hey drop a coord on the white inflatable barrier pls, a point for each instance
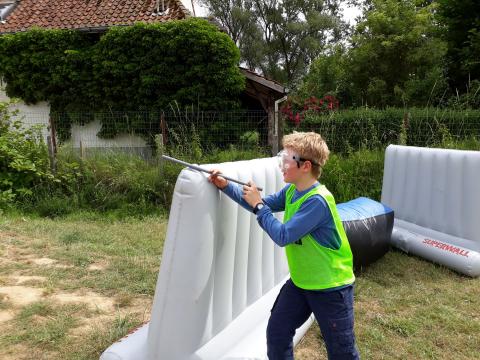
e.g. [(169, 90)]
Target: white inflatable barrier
[(219, 276), (435, 194)]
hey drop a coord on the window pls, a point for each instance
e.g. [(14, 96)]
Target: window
[(5, 8), (161, 6)]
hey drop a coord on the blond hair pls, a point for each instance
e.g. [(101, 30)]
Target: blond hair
[(310, 146)]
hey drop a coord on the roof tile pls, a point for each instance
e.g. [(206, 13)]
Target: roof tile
[(75, 14)]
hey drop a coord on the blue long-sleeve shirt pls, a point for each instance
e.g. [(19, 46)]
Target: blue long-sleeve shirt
[(313, 217)]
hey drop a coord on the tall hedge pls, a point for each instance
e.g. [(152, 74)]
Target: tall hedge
[(44, 65), (348, 130), (140, 67), (148, 66)]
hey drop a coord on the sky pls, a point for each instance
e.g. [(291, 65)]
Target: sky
[(349, 12)]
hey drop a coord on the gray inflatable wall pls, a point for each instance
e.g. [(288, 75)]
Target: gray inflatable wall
[(220, 272), (435, 194), (219, 276)]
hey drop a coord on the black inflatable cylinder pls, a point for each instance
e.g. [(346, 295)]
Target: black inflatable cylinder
[(368, 225)]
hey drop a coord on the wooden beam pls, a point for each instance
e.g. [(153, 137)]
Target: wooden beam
[(270, 84)]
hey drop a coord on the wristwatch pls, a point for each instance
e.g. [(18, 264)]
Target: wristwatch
[(258, 207)]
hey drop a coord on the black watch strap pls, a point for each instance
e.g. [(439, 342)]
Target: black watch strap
[(258, 207)]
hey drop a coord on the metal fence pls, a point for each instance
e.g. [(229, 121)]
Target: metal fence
[(143, 132), (372, 129)]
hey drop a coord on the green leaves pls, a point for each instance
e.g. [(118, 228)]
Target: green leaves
[(141, 67), (396, 58), (36, 63), (279, 37), (23, 158), (460, 28)]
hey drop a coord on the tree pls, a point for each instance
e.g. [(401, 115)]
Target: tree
[(280, 38), (328, 76), (396, 57), (460, 25)]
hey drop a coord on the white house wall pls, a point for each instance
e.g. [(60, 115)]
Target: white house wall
[(30, 114), (87, 135), (39, 113)]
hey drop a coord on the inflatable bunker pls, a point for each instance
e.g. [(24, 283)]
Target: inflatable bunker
[(220, 273), (435, 194), (368, 225)]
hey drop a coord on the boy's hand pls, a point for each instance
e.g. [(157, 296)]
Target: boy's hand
[(251, 194), (217, 180)]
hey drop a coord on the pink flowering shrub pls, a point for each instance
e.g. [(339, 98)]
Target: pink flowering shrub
[(296, 113)]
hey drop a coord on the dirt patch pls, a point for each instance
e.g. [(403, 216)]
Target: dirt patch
[(370, 308), (5, 261), (6, 315), (22, 352), (43, 261), (139, 307), (96, 267), (21, 279), (6, 235), (20, 286), (20, 295), (93, 300), (11, 253)]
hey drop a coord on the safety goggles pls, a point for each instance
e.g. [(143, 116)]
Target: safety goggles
[(287, 159)]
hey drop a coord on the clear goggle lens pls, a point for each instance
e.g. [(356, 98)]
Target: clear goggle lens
[(286, 160)]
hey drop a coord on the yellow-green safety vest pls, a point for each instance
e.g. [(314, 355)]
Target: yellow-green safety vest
[(313, 266)]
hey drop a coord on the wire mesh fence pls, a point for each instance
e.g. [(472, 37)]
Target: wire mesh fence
[(143, 133), (350, 130)]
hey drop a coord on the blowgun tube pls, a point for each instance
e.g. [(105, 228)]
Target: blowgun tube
[(195, 167)]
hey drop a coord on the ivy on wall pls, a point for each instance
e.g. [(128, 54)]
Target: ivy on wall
[(136, 68), (43, 65)]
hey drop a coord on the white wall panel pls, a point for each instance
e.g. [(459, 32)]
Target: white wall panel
[(435, 194), (219, 275)]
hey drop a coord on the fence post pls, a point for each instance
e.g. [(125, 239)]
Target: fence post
[(280, 121), (163, 127), (82, 150), (53, 134), (272, 129), (51, 155)]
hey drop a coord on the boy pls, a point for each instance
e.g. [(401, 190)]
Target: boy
[(318, 252)]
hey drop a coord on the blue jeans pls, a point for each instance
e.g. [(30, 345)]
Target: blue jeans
[(333, 311)]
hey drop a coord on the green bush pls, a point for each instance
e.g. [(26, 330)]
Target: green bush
[(348, 130), (356, 174), (44, 65), (119, 184), (24, 162), (129, 69), (145, 67)]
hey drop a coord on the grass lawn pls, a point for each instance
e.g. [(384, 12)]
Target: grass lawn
[(70, 287)]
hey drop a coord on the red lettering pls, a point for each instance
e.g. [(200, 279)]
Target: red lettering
[(446, 247), (464, 253)]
